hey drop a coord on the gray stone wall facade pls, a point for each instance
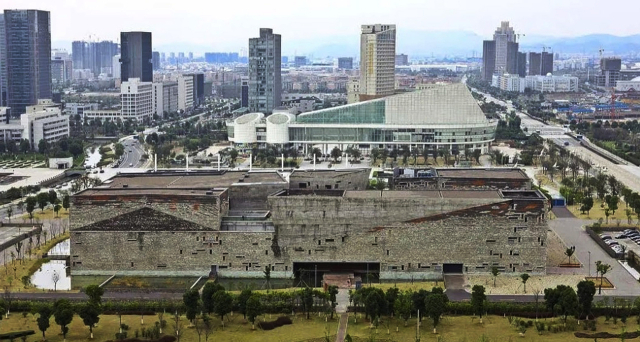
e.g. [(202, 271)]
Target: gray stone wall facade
[(357, 179)]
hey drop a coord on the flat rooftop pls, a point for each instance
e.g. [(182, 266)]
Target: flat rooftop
[(194, 180), (327, 173), (150, 191), (395, 194), (477, 173)]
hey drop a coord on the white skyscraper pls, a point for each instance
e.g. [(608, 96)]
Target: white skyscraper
[(502, 37), (137, 100), (377, 61), (185, 92), (115, 72)]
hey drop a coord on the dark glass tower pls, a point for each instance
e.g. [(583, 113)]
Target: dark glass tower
[(28, 58), (136, 56)]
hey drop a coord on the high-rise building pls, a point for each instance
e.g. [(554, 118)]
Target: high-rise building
[(116, 66), (59, 70), (221, 57), (345, 63), (540, 63), (285, 59), (500, 55), (136, 56), (377, 61), (190, 56), (265, 79), (609, 72), (535, 62), (185, 92), (522, 64), (94, 56), (165, 98), (155, 60), (488, 59), (3, 62), (198, 89), (503, 36), (402, 59), (546, 63), (28, 58)]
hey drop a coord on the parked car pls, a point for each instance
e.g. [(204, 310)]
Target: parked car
[(621, 236), (605, 237), (611, 242)]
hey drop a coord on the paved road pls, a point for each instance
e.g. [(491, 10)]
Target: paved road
[(132, 154)]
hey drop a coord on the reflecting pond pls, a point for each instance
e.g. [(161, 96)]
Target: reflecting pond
[(93, 157), (44, 277)]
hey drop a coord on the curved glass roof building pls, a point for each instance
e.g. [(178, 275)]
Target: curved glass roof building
[(443, 116)]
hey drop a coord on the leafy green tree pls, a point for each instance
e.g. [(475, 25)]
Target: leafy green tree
[(403, 306), (335, 154), (63, 312), (391, 295), (43, 200), (209, 289), (31, 203), (586, 291), (478, 299), (191, 301), (242, 299), (25, 146), (233, 155), (223, 304), (436, 306), (254, 309), (90, 314), (307, 300), (119, 150), (524, 277), (44, 317), (569, 252), (419, 300), (267, 275), (587, 204), (495, 272), (53, 196), (43, 146), (95, 293), (374, 304)]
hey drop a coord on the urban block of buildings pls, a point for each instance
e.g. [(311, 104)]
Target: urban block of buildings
[(543, 84), (234, 224), (443, 116), (43, 121)]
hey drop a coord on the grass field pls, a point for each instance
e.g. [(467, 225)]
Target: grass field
[(468, 329), (47, 214), (597, 212), (25, 267), (236, 329), (406, 286)]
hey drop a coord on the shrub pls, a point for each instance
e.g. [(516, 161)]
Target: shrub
[(280, 321)]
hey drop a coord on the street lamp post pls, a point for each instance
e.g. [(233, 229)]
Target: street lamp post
[(589, 263)]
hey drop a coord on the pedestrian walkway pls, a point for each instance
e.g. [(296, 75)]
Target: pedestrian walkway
[(342, 327), (562, 212)]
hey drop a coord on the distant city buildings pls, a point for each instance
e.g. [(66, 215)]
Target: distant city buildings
[(265, 79), (185, 92), (155, 60), (609, 72), (377, 61), (3, 62), (136, 56), (94, 56), (221, 57), (402, 59), (165, 98), (61, 70), (28, 58), (345, 63), (543, 84), (540, 63), (500, 55), (44, 121), (300, 61)]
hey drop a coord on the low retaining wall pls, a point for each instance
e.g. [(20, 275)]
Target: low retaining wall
[(22, 236)]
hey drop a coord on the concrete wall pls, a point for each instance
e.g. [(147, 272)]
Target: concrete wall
[(478, 238), (343, 180), (204, 210), (252, 196)]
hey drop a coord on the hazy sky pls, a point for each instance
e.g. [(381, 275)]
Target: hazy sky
[(226, 25)]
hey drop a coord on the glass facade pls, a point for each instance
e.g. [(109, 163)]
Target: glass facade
[(371, 112), (395, 134)]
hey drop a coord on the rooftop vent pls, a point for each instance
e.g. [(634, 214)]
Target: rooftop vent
[(241, 180), (246, 175), (209, 193), (125, 185)]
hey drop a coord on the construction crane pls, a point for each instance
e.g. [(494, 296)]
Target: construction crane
[(518, 36)]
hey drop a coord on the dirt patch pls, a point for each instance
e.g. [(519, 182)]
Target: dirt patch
[(606, 284), (603, 334), (512, 284)]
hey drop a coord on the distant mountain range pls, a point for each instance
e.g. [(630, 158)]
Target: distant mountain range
[(429, 43)]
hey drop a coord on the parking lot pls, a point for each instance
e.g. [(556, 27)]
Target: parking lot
[(629, 238)]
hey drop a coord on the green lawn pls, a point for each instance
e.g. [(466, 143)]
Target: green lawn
[(466, 328), (236, 329)]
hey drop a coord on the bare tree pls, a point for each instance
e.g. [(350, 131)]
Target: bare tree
[(177, 324), (55, 277)]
